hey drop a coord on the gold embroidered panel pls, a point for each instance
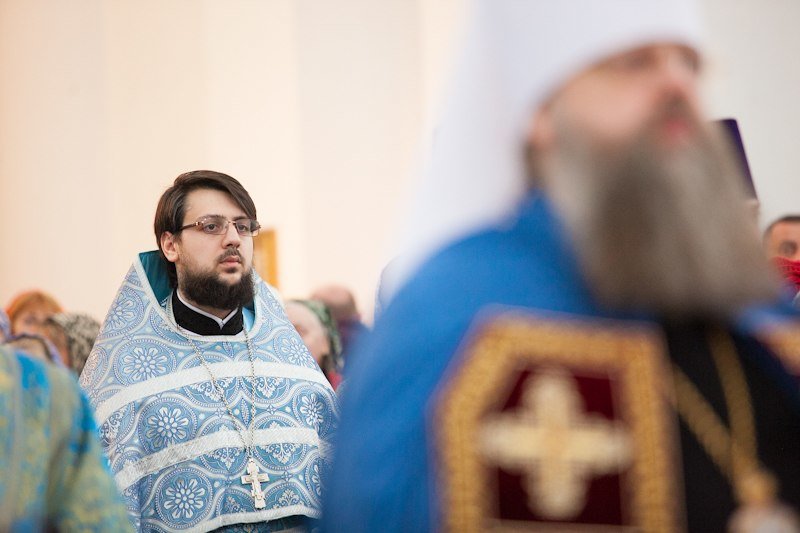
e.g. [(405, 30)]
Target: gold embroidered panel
[(558, 426)]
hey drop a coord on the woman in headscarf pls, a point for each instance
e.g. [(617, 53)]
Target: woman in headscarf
[(74, 335), (313, 321), (28, 311)]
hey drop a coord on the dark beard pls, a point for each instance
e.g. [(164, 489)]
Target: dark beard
[(205, 289), (664, 232)]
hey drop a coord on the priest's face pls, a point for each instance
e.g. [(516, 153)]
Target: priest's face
[(653, 86), (651, 197), (214, 271)]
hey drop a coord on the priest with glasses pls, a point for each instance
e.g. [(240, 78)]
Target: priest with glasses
[(213, 414)]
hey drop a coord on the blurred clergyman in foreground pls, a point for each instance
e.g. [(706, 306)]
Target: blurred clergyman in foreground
[(585, 338)]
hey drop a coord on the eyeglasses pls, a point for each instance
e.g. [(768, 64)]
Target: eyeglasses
[(216, 225)]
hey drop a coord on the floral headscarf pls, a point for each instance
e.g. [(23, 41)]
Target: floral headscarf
[(80, 331), (324, 315)]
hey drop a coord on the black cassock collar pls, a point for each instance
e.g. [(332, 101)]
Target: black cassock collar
[(202, 325)]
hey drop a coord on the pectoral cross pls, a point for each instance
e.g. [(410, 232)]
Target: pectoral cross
[(255, 479)]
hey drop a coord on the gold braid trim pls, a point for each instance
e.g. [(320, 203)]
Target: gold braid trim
[(734, 451), (784, 341)]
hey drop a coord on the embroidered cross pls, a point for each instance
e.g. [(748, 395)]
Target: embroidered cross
[(255, 479), (555, 444)]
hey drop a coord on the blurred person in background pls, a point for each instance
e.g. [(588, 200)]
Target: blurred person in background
[(782, 244), (53, 475), (73, 334), (28, 311), (342, 304), (782, 238), (37, 346), (314, 322)]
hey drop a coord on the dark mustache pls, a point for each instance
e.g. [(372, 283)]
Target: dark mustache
[(231, 252), (676, 107)]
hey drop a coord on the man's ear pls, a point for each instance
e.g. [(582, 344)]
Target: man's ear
[(169, 247)]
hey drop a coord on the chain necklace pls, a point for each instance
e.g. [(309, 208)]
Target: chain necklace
[(734, 451), (253, 477)]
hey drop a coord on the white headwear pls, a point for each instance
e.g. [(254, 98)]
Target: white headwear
[(517, 53)]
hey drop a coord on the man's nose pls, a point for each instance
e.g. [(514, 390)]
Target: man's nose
[(678, 74), (231, 236)]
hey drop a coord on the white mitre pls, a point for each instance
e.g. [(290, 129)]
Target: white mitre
[(516, 54)]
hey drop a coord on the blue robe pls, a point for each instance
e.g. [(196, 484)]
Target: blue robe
[(174, 451), (383, 474), (52, 470)]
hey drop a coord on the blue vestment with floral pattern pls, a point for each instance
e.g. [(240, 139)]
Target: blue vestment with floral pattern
[(173, 448), (52, 471)]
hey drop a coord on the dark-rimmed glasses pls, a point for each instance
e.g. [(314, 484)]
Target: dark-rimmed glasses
[(217, 225)]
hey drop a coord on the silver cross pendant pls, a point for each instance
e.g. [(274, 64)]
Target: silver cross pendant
[(255, 479)]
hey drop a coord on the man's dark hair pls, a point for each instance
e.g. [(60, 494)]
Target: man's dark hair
[(172, 205), (792, 219)]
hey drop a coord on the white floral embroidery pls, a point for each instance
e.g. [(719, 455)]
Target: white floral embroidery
[(166, 427), (283, 452), (226, 456), (207, 388), (184, 498), (270, 386), (286, 499), (295, 351), (232, 505), (144, 363), (123, 311), (312, 409), (108, 431), (316, 479)]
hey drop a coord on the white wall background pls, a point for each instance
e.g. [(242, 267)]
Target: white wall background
[(315, 105), (755, 77)]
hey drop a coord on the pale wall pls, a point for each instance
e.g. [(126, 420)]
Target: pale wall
[(755, 77), (316, 106)]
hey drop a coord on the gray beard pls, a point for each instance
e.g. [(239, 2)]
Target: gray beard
[(666, 234)]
